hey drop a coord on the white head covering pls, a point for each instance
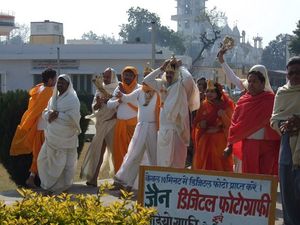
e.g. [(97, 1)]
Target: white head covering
[(70, 90), (68, 101), (113, 83), (263, 70)]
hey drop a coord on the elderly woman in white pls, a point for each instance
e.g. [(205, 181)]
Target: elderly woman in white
[(58, 157)]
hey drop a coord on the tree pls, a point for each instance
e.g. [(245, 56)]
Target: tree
[(274, 55), (19, 35), (90, 36), (104, 39), (295, 41), (213, 19), (137, 30)]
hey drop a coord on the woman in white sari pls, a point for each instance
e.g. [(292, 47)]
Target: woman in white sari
[(58, 157)]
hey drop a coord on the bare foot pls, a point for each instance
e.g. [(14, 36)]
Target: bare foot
[(30, 182), (91, 183)]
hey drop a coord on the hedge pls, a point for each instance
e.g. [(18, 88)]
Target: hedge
[(74, 209), (12, 106)]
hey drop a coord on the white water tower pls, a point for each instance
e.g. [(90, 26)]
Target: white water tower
[(7, 23)]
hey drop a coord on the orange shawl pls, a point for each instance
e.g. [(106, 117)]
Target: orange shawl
[(26, 131), (126, 89), (250, 115)]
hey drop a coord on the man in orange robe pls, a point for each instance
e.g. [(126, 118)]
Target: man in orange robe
[(126, 114), (29, 135)]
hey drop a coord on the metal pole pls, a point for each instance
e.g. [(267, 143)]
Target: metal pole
[(287, 53), (153, 44), (58, 60)]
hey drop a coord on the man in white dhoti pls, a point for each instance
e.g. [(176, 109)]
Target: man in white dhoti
[(144, 139), (105, 123), (58, 157), (179, 94)]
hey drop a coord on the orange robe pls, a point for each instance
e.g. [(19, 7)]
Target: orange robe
[(124, 129), (27, 138), (251, 114), (209, 143)]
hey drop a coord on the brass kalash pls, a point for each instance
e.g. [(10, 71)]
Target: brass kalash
[(98, 82), (226, 44)]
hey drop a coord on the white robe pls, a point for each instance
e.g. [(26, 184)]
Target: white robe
[(174, 131), (105, 124), (58, 156), (144, 139)]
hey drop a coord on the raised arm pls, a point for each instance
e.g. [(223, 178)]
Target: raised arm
[(152, 81), (232, 77)]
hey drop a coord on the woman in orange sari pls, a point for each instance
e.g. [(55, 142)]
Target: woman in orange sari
[(211, 126)]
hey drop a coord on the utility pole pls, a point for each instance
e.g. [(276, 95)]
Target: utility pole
[(58, 60), (153, 27)]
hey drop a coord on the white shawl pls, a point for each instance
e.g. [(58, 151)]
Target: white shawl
[(182, 96), (62, 133), (287, 104)]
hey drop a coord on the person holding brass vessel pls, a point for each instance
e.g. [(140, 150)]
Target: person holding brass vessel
[(251, 138), (101, 147), (179, 94)]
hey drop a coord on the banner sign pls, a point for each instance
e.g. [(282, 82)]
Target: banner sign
[(188, 197)]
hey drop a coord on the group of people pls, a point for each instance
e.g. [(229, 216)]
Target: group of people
[(49, 130), (153, 123)]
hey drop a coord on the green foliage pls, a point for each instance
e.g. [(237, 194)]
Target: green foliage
[(295, 42), (20, 35), (84, 123), (274, 55), (104, 39), (74, 209), (137, 30), (13, 104)]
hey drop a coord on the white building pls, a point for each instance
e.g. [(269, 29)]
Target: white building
[(22, 65)]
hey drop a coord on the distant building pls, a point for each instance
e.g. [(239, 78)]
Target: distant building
[(190, 23), (22, 65)]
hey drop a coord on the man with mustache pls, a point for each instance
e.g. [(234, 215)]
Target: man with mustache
[(126, 114)]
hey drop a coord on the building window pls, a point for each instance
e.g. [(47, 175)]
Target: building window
[(82, 83)]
